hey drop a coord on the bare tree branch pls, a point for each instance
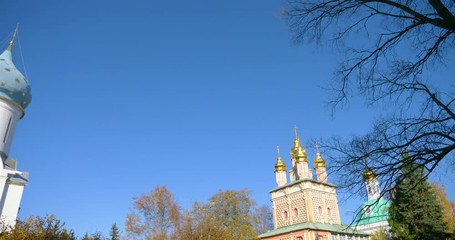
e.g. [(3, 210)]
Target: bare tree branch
[(405, 38)]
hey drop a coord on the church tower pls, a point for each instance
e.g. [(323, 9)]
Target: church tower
[(15, 96), (305, 208), (373, 214), (319, 166), (280, 170), (371, 184), (299, 160)]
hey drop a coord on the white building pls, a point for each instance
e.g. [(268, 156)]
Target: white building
[(15, 95), (374, 214)]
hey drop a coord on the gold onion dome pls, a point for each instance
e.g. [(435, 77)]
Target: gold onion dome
[(318, 161), (298, 152), (369, 174), (301, 155), (296, 147), (279, 165)]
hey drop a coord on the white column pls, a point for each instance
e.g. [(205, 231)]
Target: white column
[(281, 178), (3, 187), (12, 203), (9, 116)]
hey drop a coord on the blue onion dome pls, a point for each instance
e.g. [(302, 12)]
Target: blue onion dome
[(14, 86)]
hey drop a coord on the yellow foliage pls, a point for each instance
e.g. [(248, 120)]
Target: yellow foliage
[(448, 206)]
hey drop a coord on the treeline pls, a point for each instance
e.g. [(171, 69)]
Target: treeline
[(226, 215), (418, 210), (157, 215), (49, 228)]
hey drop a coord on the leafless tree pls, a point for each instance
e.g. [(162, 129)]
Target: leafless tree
[(262, 219), (390, 48)]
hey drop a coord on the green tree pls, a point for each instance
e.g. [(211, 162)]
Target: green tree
[(415, 212), (388, 49), (114, 232), (48, 227), (93, 236), (153, 216)]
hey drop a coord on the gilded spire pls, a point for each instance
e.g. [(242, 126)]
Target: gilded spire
[(279, 165), (296, 139), (11, 43), (298, 152), (319, 161), (369, 174)]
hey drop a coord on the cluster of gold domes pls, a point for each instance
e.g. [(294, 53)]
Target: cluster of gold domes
[(299, 154)]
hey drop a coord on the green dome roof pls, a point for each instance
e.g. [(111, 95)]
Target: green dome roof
[(13, 85), (373, 211)]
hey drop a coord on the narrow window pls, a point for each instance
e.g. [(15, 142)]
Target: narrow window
[(285, 215), (320, 210), (296, 212), (7, 131)]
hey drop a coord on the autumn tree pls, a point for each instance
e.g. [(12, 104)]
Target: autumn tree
[(227, 215), (447, 205), (153, 216), (415, 212), (389, 48), (187, 229), (48, 227), (381, 234)]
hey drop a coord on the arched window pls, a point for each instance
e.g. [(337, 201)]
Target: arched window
[(296, 212), (285, 215), (320, 210), (367, 210)]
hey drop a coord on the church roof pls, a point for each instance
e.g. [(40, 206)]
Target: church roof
[(14, 86), (373, 211), (300, 181), (333, 228)]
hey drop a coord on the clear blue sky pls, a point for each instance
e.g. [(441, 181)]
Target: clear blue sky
[(194, 95)]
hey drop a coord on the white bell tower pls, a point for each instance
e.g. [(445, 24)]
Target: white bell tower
[(15, 95)]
